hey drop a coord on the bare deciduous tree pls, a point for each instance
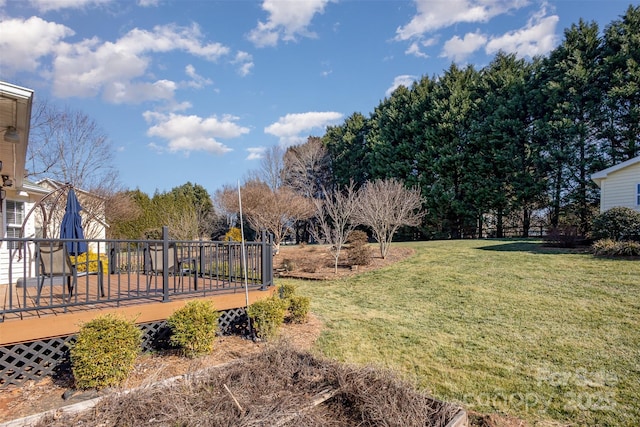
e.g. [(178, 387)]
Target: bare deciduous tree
[(120, 208), (335, 214), (265, 209), (70, 147), (270, 170), (385, 206), (306, 167), (182, 223)]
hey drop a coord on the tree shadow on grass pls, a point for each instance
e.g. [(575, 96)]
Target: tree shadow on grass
[(536, 247)]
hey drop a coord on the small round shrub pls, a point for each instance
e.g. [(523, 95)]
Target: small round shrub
[(267, 315), (289, 265), (286, 290), (358, 238), (193, 328), (358, 251), (105, 352), (299, 307), (233, 235), (618, 223)]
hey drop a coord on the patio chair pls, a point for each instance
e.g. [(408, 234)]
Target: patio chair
[(54, 261), (174, 266)]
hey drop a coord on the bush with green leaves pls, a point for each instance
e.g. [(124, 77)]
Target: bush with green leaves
[(618, 223), (286, 290), (105, 352), (193, 328), (299, 307), (267, 315)]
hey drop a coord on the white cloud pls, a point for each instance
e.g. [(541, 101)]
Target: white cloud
[(188, 133), (536, 38), (405, 80), (91, 66), (294, 128), (245, 62), (256, 153), (136, 93), (415, 48), (48, 5), (458, 49), (148, 3), (197, 81), (433, 15), (25, 42), (287, 20)]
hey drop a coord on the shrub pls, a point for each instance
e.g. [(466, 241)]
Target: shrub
[(357, 238), (91, 259), (358, 252), (105, 352), (564, 236), (193, 328), (604, 247), (289, 265), (628, 248), (618, 223), (233, 235), (299, 307), (610, 247), (267, 315), (287, 290)]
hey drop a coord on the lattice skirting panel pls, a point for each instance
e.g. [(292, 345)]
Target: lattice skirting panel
[(35, 360)]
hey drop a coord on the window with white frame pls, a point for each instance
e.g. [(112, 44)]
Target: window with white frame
[(638, 195), (15, 217)]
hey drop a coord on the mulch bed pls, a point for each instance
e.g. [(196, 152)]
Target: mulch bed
[(280, 386)]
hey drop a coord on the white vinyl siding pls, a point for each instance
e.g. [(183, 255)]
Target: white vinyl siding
[(621, 188), (15, 217)]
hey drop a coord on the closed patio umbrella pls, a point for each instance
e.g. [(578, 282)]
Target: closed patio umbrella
[(71, 226)]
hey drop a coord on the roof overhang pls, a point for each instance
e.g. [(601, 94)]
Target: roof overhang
[(15, 111), (598, 177)]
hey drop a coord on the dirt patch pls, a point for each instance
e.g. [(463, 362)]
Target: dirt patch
[(315, 262)]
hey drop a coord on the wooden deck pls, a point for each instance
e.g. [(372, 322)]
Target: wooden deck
[(57, 318)]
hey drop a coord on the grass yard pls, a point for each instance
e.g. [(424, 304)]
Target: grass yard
[(502, 326)]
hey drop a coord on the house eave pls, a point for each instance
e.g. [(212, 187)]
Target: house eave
[(598, 177)]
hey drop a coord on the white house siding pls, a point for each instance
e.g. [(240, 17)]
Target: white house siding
[(620, 188), (14, 260)]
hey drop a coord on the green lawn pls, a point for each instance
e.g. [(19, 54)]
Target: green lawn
[(501, 326)]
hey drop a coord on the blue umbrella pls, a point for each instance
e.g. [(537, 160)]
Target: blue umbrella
[(71, 227)]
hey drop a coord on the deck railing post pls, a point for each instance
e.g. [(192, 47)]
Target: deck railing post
[(165, 263), (267, 261)]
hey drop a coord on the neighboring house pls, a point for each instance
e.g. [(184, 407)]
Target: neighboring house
[(619, 185), (17, 196)]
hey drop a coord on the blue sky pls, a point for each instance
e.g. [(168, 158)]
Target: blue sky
[(197, 90)]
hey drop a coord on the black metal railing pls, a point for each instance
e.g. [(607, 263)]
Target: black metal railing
[(43, 274)]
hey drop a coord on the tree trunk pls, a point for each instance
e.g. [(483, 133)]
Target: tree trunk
[(526, 221), (500, 224)]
